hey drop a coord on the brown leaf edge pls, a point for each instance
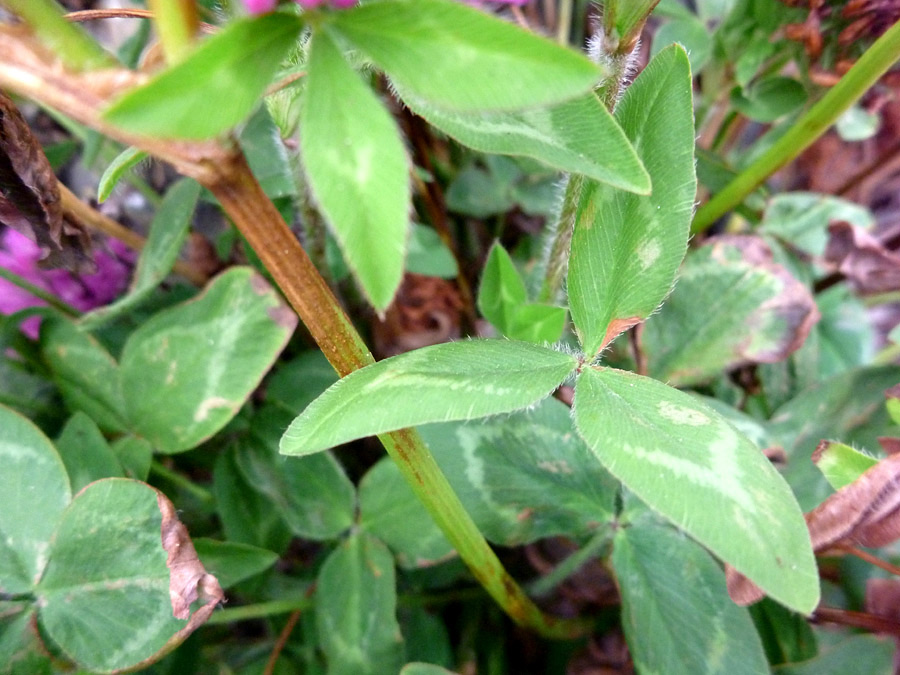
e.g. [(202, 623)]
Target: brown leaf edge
[(864, 513), (188, 580)]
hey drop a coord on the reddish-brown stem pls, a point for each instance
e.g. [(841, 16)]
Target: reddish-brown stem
[(256, 217), (281, 642), (871, 559), (123, 13), (846, 617)]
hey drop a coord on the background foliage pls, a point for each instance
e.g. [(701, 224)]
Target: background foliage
[(188, 485)]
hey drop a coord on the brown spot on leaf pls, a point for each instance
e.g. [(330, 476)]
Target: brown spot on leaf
[(188, 579), (617, 326), (30, 201), (862, 259)]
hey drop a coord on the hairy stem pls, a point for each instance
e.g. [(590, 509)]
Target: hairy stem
[(864, 73), (558, 255), (259, 221)]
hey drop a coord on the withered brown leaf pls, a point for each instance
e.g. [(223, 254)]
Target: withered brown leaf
[(188, 579), (794, 305), (860, 257), (865, 512), (29, 195)]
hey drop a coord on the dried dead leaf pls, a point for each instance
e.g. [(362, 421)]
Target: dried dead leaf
[(864, 513), (188, 579), (426, 311), (883, 598), (29, 195), (867, 264)]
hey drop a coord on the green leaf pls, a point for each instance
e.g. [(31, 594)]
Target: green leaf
[(676, 613), (268, 158), (426, 636), (428, 255), (124, 161), (768, 99), (312, 494), (857, 124), (801, 217), (215, 87), (786, 635), (460, 58), (86, 374), (525, 476), (167, 234), (390, 510), (358, 169), (626, 248), (696, 470), (732, 306), (848, 407), (441, 383), (21, 651), (424, 669), (538, 323), (356, 600), (134, 455), (502, 300), (298, 382), (247, 516), (841, 464), (85, 452), (578, 136), (870, 654), (34, 490), (691, 34), (187, 370), (231, 563), (502, 290), (105, 598), (629, 16)]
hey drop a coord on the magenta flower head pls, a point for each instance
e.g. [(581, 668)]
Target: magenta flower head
[(263, 6), (20, 255)]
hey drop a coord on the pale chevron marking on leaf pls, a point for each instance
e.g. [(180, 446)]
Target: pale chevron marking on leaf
[(714, 477), (435, 381), (682, 415)]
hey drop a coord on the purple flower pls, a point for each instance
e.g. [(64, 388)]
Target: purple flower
[(263, 6), (20, 255)]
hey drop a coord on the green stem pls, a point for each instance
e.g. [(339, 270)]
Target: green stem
[(558, 255), (176, 24), (182, 482), (69, 42), (261, 610), (264, 229), (574, 562), (38, 292), (864, 73)]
